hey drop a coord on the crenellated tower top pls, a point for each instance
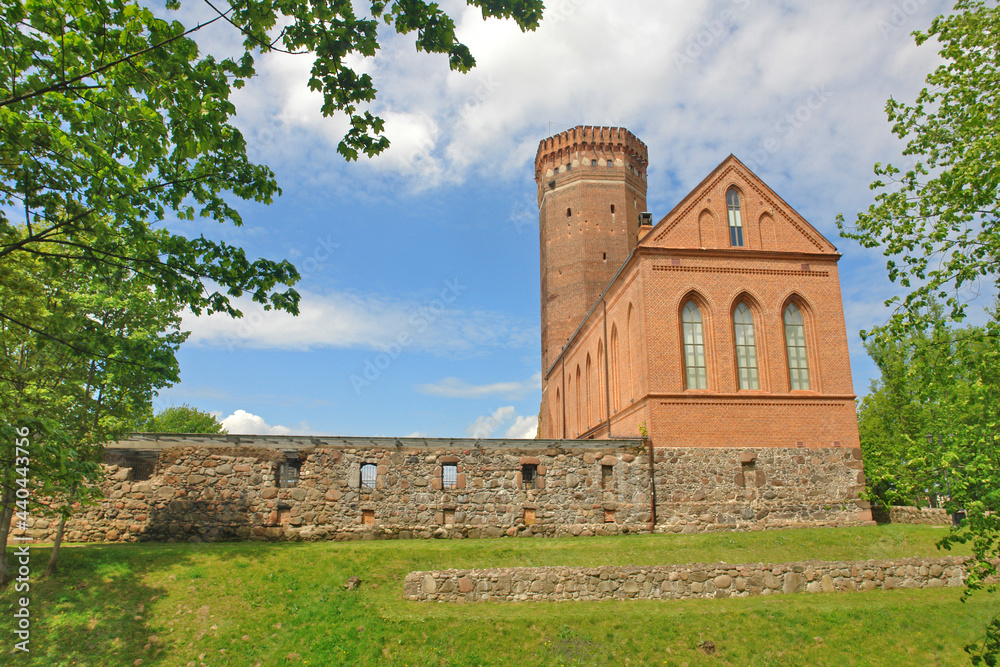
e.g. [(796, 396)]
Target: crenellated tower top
[(590, 146)]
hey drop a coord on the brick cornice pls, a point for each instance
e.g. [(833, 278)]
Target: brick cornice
[(741, 253), (751, 399)]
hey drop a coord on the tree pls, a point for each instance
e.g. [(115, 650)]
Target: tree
[(183, 419), (112, 122), (77, 376), (937, 222), (925, 390)]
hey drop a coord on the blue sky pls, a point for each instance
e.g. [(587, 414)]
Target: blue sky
[(420, 309)]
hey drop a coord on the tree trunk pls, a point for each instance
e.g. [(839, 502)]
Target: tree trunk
[(6, 513), (50, 569)]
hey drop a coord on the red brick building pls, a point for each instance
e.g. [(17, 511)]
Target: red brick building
[(721, 325)]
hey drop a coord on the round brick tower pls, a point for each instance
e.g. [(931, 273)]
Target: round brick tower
[(591, 189)]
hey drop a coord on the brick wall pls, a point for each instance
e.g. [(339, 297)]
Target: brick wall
[(687, 257), (588, 221)]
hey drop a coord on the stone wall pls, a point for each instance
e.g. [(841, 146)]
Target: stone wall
[(195, 494), (203, 490), (681, 582), (703, 489), (928, 516)]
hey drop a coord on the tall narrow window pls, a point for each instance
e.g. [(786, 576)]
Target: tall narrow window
[(449, 476), (615, 385), (735, 218), (746, 348), (560, 431), (628, 350), (607, 477), (529, 473), (590, 392), (569, 405), (288, 472), (368, 471), (795, 343), (600, 380), (580, 426), (694, 347)]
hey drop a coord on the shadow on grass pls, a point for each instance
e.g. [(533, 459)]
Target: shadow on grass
[(97, 608), (92, 611)]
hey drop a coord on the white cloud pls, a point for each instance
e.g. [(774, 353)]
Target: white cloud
[(486, 425), (416, 434), (703, 78), (523, 428), (242, 422), (452, 387), (345, 320), (503, 420)]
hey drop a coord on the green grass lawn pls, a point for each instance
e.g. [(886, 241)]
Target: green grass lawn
[(285, 604)]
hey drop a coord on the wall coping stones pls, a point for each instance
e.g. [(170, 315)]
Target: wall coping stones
[(298, 442), (676, 582)]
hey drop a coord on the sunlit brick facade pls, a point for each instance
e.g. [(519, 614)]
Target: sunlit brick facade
[(764, 283)]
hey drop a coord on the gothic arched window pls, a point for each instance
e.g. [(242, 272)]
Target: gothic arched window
[(795, 344), (694, 347), (569, 404), (735, 218), (560, 431), (580, 426), (746, 347), (615, 384), (600, 380), (590, 392)]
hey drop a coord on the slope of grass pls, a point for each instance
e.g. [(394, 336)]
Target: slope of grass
[(285, 604)]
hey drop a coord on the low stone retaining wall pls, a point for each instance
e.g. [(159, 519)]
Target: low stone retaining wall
[(928, 516), (681, 582)]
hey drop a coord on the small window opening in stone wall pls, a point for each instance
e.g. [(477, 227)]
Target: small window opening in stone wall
[(288, 471), (368, 517), (368, 471), (449, 476), (529, 475), (449, 516), (749, 474), (609, 516), (607, 477), (569, 212), (612, 208), (142, 462), (529, 517)]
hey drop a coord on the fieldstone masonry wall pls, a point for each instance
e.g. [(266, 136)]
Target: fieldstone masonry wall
[(705, 489), (928, 516), (201, 490), (681, 582)]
